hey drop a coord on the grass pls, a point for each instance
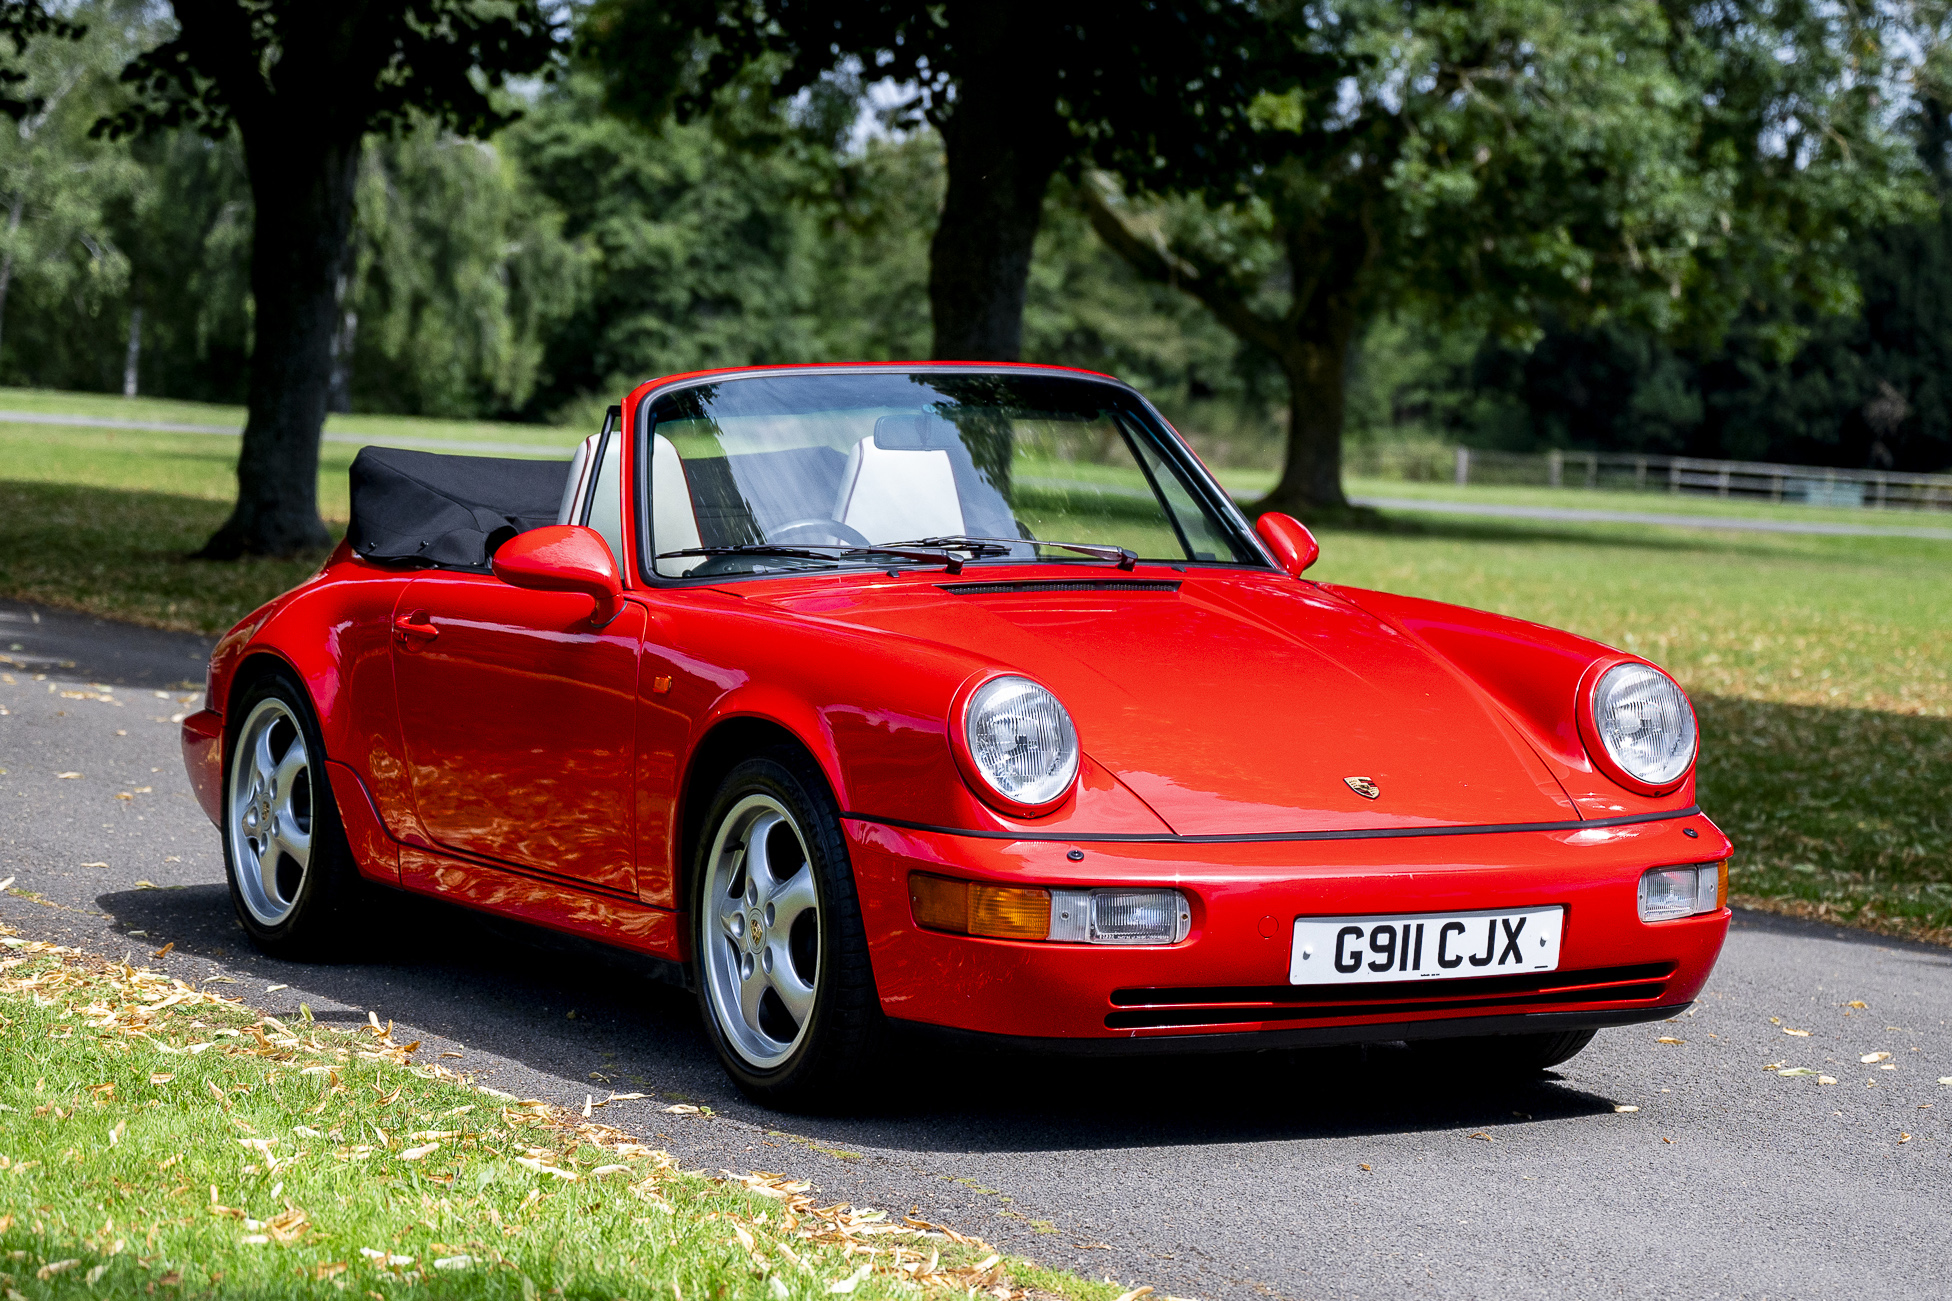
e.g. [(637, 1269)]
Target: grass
[(157, 1139), (1822, 666)]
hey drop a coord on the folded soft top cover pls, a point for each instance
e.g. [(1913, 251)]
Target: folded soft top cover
[(448, 512)]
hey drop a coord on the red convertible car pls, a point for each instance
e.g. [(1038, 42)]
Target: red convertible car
[(956, 698)]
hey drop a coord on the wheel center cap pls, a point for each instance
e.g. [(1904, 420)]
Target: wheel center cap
[(755, 931)]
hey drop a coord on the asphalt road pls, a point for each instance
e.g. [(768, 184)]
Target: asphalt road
[(1289, 1175)]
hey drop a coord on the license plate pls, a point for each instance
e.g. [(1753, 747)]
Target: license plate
[(1424, 946)]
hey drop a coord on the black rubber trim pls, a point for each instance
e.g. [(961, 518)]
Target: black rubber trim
[(1280, 837), (1249, 1041), (1007, 586), (1150, 1018), (1385, 990)]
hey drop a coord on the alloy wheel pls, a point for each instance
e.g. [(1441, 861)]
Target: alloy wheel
[(760, 931), (270, 811)]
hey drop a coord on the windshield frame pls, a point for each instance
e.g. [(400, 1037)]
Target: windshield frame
[(1198, 478)]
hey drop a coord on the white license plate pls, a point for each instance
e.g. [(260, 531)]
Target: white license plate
[(1424, 946)]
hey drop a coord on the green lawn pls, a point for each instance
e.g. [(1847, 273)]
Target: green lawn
[(1822, 666), (161, 1140)]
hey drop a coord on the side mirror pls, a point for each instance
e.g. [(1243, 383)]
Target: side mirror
[(563, 558), (1294, 548)]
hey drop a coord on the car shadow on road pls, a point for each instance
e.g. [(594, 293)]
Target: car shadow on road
[(509, 989)]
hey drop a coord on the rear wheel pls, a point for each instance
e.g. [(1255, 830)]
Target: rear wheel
[(1506, 1054), (291, 874), (782, 964)]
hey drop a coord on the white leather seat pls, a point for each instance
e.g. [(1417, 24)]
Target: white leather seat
[(674, 522), (895, 495)]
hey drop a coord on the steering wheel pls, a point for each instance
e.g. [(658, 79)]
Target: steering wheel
[(817, 531)]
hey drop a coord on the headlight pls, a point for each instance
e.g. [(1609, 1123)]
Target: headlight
[(1645, 722), (1021, 741)]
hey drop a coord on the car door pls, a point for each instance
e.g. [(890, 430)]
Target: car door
[(517, 717)]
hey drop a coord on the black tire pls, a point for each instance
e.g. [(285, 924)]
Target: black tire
[(1506, 1054), (306, 916), (767, 810)]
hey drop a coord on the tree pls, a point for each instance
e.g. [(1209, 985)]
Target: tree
[(1489, 161), (303, 84), (1017, 89)]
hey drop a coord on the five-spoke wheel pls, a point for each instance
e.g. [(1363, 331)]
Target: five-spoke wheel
[(781, 956), (763, 965), (270, 810), (292, 878)]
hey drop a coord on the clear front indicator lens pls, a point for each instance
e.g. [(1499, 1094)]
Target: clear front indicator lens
[(1021, 740), (1645, 723), (1670, 892), (940, 903)]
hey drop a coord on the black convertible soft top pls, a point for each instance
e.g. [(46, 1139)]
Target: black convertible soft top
[(447, 512)]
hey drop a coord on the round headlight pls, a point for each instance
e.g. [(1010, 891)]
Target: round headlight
[(1645, 722), (1021, 740)]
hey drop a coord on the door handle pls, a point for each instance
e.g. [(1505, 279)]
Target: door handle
[(418, 626)]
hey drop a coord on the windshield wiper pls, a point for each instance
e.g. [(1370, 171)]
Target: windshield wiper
[(1126, 559), (751, 549), (833, 554)]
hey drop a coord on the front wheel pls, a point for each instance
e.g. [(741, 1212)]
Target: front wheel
[(782, 963), (292, 878)]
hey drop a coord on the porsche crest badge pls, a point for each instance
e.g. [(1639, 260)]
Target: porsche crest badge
[(1364, 787)]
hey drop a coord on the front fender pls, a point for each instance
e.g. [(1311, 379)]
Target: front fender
[(1534, 674)]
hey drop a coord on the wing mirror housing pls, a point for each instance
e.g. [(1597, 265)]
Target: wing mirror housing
[(563, 558), (1293, 547)]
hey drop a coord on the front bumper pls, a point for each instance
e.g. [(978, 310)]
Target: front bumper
[(1227, 984)]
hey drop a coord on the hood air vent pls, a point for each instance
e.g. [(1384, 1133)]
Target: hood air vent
[(1107, 585)]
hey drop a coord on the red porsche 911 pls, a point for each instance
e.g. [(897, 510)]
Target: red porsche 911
[(957, 699)]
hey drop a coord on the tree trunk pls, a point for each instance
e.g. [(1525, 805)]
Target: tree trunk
[(7, 263), (132, 359), (1316, 369), (1004, 141), (302, 191)]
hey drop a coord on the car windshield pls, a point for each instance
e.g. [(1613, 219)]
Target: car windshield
[(810, 470)]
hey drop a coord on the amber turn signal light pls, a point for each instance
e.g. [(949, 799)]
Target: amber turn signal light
[(1000, 912)]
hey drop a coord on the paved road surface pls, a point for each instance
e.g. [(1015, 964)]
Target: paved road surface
[(1206, 1177)]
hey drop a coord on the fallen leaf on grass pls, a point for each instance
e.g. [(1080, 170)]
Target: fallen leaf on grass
[(1945, 1079), (161, 1077), (255, 1240), (115, 1135), (453, 1262), (1868, 1058), (1903, 1137), (326, 1269), (385, 1259), (52, 1268), (415, 1153), (848, 1284), (683, 1109), (94, 1275), (164, 951)]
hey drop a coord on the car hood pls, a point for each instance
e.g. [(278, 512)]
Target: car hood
[(1237, 704)]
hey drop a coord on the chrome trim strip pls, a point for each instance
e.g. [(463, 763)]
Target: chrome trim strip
[(1283, 837)]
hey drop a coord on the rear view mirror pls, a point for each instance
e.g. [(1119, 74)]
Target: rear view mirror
[(1288, 540), (563, 558)]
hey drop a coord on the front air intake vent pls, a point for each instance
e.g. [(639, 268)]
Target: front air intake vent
[(1105, 585)]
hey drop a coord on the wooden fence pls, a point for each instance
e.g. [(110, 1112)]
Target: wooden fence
[(1617, 471)]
